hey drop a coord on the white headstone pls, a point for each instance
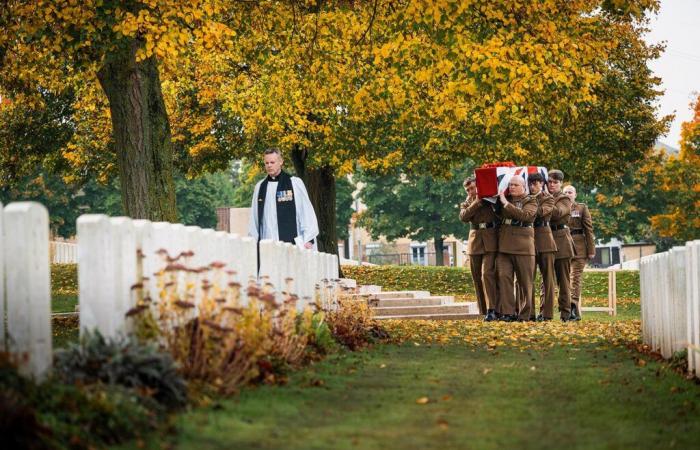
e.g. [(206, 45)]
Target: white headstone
[(28, 285), (97, 285), (125, 269), (3, 348)]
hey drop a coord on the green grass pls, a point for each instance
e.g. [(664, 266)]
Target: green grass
[(62, 303), (575, 398)]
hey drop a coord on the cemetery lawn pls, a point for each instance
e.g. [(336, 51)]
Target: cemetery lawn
[(457, 395)]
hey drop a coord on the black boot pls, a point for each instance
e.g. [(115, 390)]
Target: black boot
[(574, 313), (490, 316)]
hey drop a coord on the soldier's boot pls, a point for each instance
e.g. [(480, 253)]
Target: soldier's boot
[(574, 313)]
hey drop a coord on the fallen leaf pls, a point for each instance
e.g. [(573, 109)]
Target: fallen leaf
[(446, 398), (442, 423), (533, 368), (486, 371), (382, 366), (422, 400)]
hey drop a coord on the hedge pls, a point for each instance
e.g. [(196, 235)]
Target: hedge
[(458, 280)]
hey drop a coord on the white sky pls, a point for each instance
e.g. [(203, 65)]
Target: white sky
[(678, 23)]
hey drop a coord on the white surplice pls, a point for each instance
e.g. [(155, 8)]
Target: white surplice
[(307, 225)]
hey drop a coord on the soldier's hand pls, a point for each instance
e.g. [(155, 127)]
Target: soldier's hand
[(502, 196), (591, 256)]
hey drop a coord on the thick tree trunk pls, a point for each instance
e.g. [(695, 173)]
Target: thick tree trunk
[(439, 257), (320, 183), (141, 135)]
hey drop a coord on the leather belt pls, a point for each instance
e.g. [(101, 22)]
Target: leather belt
[(516, 223), (562, 226), (539, 224), (484, 225), (579, 231)]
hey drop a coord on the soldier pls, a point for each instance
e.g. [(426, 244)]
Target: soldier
[(581, 225), (482, 247), (565, 245), (516, 250), (545, 247)]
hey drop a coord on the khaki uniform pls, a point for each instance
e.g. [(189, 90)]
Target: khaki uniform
[(545, 249), (565, 250), (581, 226), (516, 254), (482, 248)]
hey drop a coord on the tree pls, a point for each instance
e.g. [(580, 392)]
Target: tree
[(680, 181), (418, 207), (115, 51), (423, 84)]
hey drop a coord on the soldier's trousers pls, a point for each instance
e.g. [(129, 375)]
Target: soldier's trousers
[(483, 269), (545, 261), (511, 266), (577, 266), (562, 269)]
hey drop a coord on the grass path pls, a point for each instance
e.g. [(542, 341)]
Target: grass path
[(576, 396)]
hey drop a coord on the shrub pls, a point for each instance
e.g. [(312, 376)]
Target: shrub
[(123, 362), (458, 280), (215, 339), (350, 320), (56, 415)]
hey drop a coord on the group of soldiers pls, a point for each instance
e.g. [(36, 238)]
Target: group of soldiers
[(511, 238)]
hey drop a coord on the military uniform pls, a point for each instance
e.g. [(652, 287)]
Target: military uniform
[(545, 249), (516, 254), (565, 250), (481, 248), (581, 227)]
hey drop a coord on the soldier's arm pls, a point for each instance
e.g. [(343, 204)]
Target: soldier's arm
[(562, 207), (526, 214), (545, 209), (466, 214), (587, 222)]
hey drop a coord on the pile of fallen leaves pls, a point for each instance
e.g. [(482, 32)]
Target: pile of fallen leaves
[(523, 335)]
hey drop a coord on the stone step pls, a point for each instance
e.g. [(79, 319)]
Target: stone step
[(409, 301), (401, 294), (455, 308), (458, 316), (391, 294), (348, 283), (369, 289)]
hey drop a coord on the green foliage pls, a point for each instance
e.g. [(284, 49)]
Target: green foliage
[(56, 415), (343, 206), (321, 339), (458, 280), (197, 199), (122, 362), (419, 207)]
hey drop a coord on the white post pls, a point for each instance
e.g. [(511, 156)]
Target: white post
[(124, 269), (666, 306), (692, 262), (28, 287), (644, 296), (679, 323), (208, 247), (143, 234), (97, 286), (3, 347), (247, 265), (267, 257)]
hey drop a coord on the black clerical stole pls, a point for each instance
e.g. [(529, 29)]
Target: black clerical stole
[(286, 207)]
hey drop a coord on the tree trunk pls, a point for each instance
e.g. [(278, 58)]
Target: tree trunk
[(141, 134), (439, 258), (320, 183)]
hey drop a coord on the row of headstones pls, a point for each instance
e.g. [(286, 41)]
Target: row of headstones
[(670, 300), (109, 265), (64, 252)]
